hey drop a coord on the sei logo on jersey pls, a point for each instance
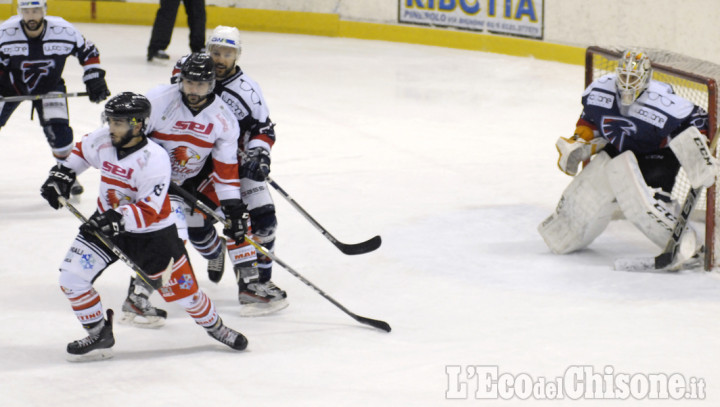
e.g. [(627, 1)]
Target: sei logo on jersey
[(117, 170), (194, 127)]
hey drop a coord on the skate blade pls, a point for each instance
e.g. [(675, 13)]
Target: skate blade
[(136, 320), (260, 309), (92, 356)]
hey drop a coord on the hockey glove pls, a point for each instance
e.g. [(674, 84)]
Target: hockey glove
[(95, 84), (237, 215), (575, 150), (110, 223), (256, 165), (57, 184)]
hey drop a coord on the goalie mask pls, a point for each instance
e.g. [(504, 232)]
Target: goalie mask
[(633, 76), (130, 107)]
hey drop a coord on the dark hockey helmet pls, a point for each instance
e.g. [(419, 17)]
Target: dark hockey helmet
[(128, 105), (199, 67)]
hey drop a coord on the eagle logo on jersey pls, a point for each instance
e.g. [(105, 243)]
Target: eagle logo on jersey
[(613, 127), (33, 71), (182, 154), (115, 198)]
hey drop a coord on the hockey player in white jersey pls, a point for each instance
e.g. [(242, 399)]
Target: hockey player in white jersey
[(196, 128), (256, 292), (34, 48), (640, 133), (134, 211)]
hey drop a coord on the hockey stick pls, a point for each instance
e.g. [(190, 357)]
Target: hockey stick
[(191, 200), (349, 249), (38, 97), (155, 284), (668, 257)]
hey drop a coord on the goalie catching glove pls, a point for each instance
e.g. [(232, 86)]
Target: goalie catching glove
[(577, 149), (110, 223), (237, 215), (57, 184)]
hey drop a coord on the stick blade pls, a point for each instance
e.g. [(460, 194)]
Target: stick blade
[(360, 248), (382, 325)]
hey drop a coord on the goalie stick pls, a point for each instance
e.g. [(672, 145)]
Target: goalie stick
[(191, 200), (668, 256), (44, 96), (155, 284), (349, 249)]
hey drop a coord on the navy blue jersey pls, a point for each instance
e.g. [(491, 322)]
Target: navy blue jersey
[(35, 66), (651, 122)]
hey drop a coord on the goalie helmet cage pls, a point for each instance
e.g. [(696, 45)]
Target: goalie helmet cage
[(695, 80)]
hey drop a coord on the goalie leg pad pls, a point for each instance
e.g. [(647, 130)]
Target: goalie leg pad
[(654, 218), (584, 210), (691, 149)]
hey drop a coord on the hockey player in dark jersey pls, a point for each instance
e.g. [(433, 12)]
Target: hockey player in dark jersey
[(257, 294), (33, 50), (135, 213), (640, 133)]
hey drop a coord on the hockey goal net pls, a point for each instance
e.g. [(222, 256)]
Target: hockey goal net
[(695, 80)]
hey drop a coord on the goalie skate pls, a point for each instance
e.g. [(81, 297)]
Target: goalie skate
[(648, 264), (96, 346)]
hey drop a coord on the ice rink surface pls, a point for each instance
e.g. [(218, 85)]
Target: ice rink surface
[(448, 155)]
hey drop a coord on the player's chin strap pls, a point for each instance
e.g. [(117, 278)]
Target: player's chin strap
[(52, 95), (154, 283), (191, 200)]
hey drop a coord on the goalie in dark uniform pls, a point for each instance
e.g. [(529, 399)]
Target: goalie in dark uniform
[(638, 133)]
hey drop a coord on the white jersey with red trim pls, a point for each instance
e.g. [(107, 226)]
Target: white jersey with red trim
[(190, 138), (135, 185)]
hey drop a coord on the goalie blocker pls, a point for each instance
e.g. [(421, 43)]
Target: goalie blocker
[(606, 184)]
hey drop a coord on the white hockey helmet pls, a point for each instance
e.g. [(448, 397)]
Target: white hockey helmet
[(634, 72), (22, 4), (224, 36)]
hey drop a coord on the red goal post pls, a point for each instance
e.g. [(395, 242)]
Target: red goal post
[(695, 80)]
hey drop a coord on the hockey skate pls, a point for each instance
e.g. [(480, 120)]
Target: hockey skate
[(97, 345), (228, 336), (137, 309), (258, 298), (216, 266)]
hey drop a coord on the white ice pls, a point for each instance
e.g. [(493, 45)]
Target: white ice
[(449, 156)]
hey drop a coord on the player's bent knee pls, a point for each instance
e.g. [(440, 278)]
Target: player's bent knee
[(653, 217), (584, 211)]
